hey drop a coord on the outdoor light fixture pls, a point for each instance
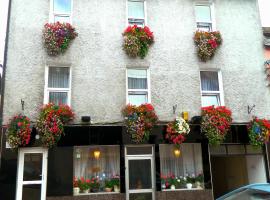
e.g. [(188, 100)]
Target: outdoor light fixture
[(177, 152), (96, 154)]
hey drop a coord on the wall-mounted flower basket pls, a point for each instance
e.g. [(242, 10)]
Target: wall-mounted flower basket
[(177, 131), (18, 131), (267, 71), (57, 37), (216, 122), (139, 121), (137, 41), (50, 125), (258, 131), (207, 44)]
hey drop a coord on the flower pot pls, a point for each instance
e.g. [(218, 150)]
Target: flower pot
[(108, 189), (172, 187), (189, 185), (163, 186), (198, 184), (116, 188), (76, 190), (85, 191)]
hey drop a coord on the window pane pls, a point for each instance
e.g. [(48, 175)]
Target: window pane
[(136, 9), (62, 19), (58, 77), (32, 192), (58, 97), (209, 81), (137, 79), (32, 170), (140, 174), (208, 100), (137, 99), (62, 6), (139, 22), (204, 26), (203, 13)]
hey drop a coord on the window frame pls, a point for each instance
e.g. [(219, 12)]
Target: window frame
[(47, 89), (53, 14), (145, 13), (212, 14), (148, 90), (219, 93)]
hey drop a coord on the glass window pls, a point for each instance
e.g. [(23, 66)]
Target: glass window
[(61, 10), (58, 86), (210, 88), (99, 162), (137, 86), (136, 13), (203, 17), (179, 169)]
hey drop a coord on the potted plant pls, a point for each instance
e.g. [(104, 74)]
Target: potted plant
[(190, 180), (207, 43), (258, 131), (18, 131), (216, 122), (199, 179), (116, 183), (172, 182), (84, 185), (108, 185), (76, 188), (137, 40), (57, 37), (139, 121), (94, 184)]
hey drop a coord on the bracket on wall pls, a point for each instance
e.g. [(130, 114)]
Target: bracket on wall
[(22, 103), (174, 108), (250, 108)]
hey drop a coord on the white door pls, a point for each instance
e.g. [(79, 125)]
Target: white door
[(32, 174)]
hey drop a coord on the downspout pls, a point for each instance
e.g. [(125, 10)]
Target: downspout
[(3, 81)]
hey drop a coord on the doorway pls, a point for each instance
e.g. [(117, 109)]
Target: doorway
[(32, 174), (140, 177)]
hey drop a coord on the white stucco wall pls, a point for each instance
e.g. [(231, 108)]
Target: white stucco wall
[(99, 63)]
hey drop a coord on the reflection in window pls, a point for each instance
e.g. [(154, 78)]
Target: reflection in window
[(178, 171), (99, 162)]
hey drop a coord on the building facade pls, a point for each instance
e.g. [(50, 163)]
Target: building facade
[(97, 79)]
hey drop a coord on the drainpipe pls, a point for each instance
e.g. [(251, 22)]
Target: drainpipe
[(2, 145)]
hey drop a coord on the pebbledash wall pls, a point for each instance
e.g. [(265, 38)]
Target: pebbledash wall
[(99, 64)]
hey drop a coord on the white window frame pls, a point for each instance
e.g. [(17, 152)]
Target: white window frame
[(148, 90), (212, 14), (53, 14), (219, 93), (47, 89), (145, 13)]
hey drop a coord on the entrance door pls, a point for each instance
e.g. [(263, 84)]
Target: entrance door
[(32, 174), (140, 181)]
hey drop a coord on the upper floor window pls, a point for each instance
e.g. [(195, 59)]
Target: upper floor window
[(211, 88), (57, 88), (136, 12), (204, 17), (138, 86), (61, 11)]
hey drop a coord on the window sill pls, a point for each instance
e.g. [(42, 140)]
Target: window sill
[(181, 189), (95, 193)]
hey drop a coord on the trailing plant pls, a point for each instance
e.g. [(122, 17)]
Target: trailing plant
[(18, 131), (207, 43), (57, 37), (50, 124), (258, 131), (139, 121), (177, 131), (216, 123), (137, 40)]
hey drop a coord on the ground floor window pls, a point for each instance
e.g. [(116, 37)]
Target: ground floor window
[(181, 169), (96, 169)]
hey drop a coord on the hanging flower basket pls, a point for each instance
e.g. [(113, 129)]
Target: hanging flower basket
[(18, 131), (137, 41), (216, 123), (258, 131), (57, 37), (207, 44), (177, 131), (50, 125), (139, 121)]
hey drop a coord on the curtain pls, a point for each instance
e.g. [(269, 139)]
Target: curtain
[(136, 9), (58, 97), (137, 79), (106, 166), (58, 77), (209, 81), (62, 6)]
